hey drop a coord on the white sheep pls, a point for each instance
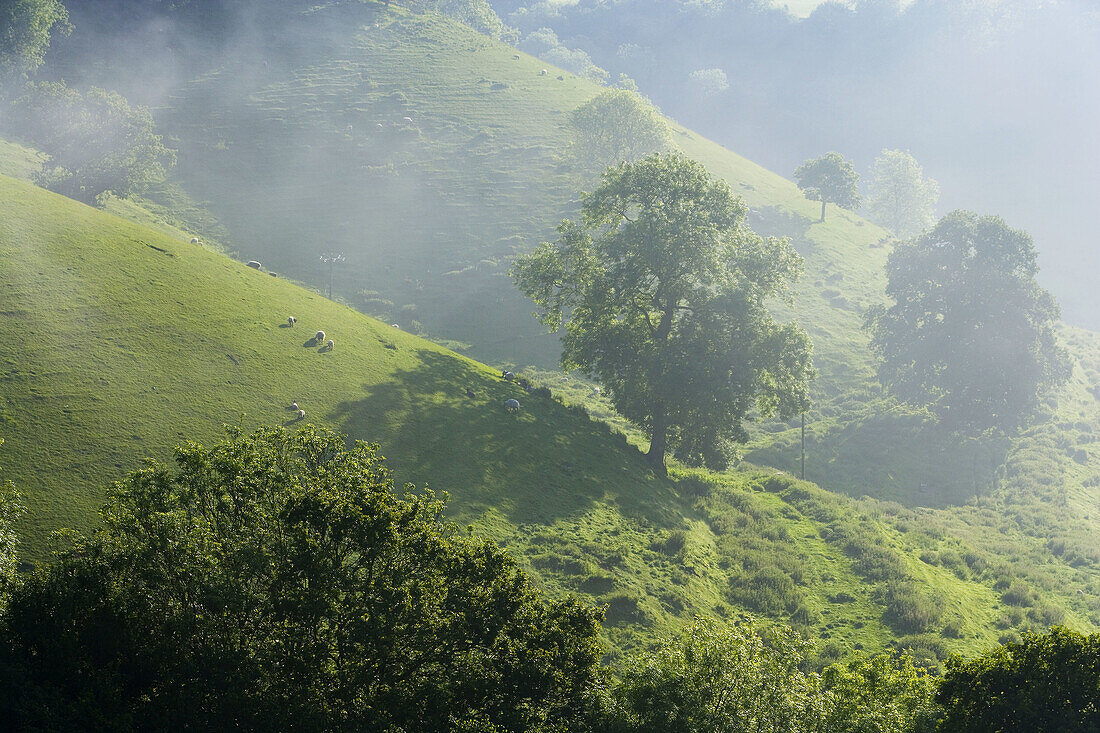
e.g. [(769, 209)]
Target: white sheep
[(407, 120), (511, 405), (292, 320), (254, 264), (544, 72), (294, 405), (394, 325), (319, 336), (195, 240), (301, 414), (330, 344)]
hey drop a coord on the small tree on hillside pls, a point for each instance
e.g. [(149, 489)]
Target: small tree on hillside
[(829, 179), (662, 292), (901, 198), (615, 126), (970, 332)]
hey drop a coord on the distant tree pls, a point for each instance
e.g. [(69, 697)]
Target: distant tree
[(279, 582), (829, 179), (1045, 682), (617, 125), (545, 44), (901, 198), (662, 292), (25, 30), (96, 141), (970, 332), (710, 81)]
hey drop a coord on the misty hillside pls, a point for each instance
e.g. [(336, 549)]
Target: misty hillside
[(996, 99), (282, 160)]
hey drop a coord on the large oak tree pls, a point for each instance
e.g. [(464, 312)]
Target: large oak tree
[(662, 292)]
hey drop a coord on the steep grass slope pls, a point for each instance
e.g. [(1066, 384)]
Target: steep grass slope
[(117, 341)]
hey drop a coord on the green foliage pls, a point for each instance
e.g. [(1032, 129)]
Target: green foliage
[(97, 142), (879, 694), (745, 677), (278, 581), (909, 608), (1044, 682), (11, 509), (478, 14), (25, 30), (901, 198), (662, 291), (616, 126), (829, 179), (721, 677), (970, 331)]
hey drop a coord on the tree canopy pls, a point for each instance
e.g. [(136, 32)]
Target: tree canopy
[(96, 141), (25, 30), (743, 676), (662, 291), (617, 125), (278, 582), (829, 179), (1045, 682), (901, 198), (970, 331)]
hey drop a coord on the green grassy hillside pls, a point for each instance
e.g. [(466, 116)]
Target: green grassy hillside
[(115, 349), (118, 341)]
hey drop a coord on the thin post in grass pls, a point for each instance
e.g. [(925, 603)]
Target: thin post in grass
[(331, 260), (803, 474)]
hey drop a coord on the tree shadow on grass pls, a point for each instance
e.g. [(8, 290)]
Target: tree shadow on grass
[(537, 465)]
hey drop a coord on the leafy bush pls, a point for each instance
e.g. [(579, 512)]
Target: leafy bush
[(909, 609), (278, 582), (96, 141)]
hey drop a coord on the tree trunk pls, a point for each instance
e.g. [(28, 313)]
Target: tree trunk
[(822, 209), (659, 442)]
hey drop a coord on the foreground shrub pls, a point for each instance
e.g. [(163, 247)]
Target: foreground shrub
[(278, 582), (1045, 682)]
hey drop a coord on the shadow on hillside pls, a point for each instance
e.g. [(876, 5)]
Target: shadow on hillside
[(774, 221), (894, 456), (535, 466)]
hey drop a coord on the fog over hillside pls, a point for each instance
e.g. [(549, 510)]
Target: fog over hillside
[(996, 98)]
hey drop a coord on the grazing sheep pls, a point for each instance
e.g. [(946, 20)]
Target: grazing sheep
[(379, 126), (512, 405), (273, 274), (330, 344), (509, 377), (294, 405), (292, 320), (301, 414), (319, 336), (515, 55), (195, 240), (395, 325), (595, 391), (544, 72), (407, 120), (254, 264)]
